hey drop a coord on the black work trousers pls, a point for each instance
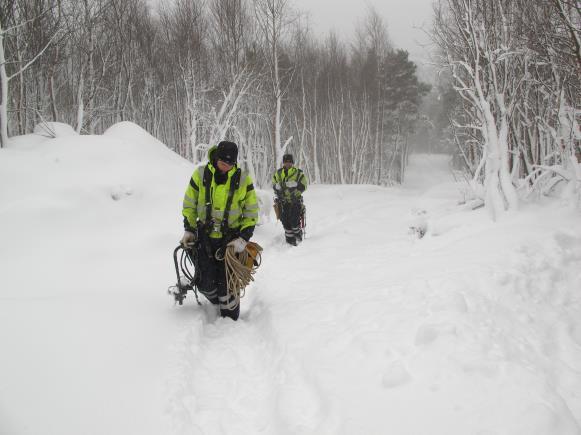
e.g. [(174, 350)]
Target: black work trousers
[(212, 278), (291, 212)]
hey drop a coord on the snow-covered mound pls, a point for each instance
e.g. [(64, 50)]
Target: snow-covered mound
[(54, 129), (25, 141), (96, 168), (363, 329), (78, 213), (127, 130)]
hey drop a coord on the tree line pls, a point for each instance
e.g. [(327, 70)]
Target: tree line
[(195, 72), (511, 84)]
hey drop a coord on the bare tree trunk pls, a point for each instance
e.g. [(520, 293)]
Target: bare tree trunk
[(80, 104), (21, 107), (3, 94), (572, 20), (53, 106), (91, 80), (272, 16)]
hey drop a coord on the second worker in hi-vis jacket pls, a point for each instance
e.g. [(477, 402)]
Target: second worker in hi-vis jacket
[(289, 183)]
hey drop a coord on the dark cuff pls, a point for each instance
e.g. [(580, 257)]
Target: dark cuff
[(187, 226), (247, 233)]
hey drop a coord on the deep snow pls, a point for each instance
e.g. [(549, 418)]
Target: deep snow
[(363, 329)]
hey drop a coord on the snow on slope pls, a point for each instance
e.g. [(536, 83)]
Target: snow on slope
[(87, 225), (364, 328)]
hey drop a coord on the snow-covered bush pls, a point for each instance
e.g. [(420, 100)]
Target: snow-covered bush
[(54, 129)]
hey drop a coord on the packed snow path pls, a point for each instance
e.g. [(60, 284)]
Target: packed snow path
[(363, 329)]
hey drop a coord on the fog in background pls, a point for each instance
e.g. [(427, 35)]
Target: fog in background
[(407, 20)]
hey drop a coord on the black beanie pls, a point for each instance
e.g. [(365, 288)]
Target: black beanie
[(288, 158), (227, 152)]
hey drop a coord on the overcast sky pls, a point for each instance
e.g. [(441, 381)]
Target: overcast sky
[(403, 18)]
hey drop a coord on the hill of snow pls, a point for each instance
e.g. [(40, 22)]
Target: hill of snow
[(363, 329)]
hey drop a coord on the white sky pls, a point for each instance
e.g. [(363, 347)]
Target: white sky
[(403, 19)]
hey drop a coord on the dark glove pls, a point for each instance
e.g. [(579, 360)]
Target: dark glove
[(247, 233), (187, 226)]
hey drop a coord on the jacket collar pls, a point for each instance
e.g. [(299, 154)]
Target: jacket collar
[(213, 169)]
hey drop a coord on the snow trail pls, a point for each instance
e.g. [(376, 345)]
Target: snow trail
[(254, 371), (365, 320), (364, 328)]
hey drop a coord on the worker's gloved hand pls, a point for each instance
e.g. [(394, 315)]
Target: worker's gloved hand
[(239, 244), (188, 239)]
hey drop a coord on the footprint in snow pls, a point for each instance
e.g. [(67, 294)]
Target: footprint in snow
[(299, 405), (575, 333), (427, 334), (396, 375), (120, 192), (454, 302)]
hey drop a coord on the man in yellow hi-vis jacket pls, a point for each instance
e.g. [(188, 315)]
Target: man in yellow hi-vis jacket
[(289, 183), (220, 208)]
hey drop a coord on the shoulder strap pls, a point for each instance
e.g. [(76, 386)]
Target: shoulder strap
[(300, 175), (282, 180), (234, 184), (207, 186)]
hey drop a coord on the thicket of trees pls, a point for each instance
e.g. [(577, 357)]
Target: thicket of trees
[(515, 68), (195, 72)]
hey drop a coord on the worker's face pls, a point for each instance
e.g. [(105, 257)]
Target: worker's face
[(223, 166), (287, 165)]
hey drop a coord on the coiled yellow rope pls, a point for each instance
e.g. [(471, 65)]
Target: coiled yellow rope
[(241, 267)]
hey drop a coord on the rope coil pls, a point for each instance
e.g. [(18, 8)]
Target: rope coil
[(240, 268)]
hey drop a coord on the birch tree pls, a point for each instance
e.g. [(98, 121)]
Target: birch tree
[(232, 33), (515, 66), (198, 72), (478, 45), (12, 28), (273, 20)]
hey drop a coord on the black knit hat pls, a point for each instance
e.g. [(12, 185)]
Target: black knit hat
[(288, 158), (227, 152)]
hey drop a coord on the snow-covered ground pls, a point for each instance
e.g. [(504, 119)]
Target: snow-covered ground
[(363, 329)]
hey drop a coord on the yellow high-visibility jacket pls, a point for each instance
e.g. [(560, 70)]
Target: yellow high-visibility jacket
[(289, 184), (244, 208)]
